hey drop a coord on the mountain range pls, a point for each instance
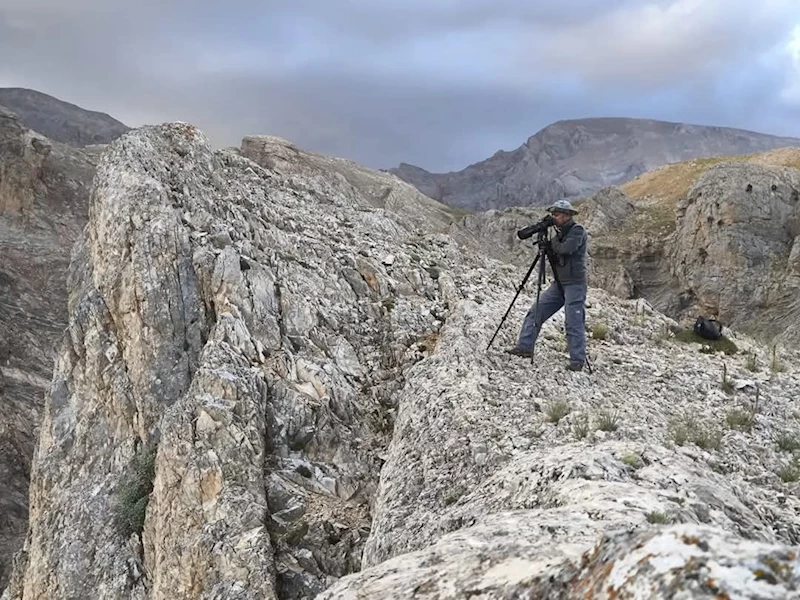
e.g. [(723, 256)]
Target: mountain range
[(575, 158), (60, 121)]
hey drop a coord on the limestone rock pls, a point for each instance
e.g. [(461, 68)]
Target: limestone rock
[(241, 324), (44, 196), (733, 249)]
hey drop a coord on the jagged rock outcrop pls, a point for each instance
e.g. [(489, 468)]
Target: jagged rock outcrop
[(253, 326), (44, 196), (292, 369), (575, 158), (61, 121), (736, 247)]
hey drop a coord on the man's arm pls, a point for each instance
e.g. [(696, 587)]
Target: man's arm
[(571, 241)]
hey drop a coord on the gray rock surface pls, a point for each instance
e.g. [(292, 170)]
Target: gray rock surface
[(61, 121), (575, 158), (44, 197), (254, 326), (303, 358)]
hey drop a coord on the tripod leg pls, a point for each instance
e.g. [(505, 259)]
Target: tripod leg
[(519, 289), (537, 322)]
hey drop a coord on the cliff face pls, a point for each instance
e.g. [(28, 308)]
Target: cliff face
[(44, 190), (575, 158), (274, 383)]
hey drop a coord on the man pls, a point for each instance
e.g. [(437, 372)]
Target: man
[(568, 249)]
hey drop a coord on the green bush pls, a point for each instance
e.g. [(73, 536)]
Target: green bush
[(134, 493)]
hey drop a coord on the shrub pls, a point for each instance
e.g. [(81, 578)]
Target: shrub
[(134, 493), (599, 331), (608, 421), (557, 410)]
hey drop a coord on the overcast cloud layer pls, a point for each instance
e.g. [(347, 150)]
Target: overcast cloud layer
[(437, 83)]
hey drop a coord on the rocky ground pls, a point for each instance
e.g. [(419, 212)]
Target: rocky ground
[(275, 384)]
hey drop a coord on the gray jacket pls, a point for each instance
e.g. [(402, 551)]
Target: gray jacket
[(569, 253)]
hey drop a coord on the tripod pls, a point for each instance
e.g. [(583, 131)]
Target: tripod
[(543, 242)]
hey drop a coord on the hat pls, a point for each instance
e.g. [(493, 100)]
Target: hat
[(562, 206)]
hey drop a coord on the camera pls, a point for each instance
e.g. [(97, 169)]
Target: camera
[(546, 222)]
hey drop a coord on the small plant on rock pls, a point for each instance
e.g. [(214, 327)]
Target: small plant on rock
[(599, 331), (557, 410), (787, 441), (742, 420), (727, 383), (752, 363), (133, 493), (580, 426), (632, 459), (608, 421), (789, 473), (776, 365), (688, 429), (657, 517)]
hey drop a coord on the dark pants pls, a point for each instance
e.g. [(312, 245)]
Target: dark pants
[(550, 301)]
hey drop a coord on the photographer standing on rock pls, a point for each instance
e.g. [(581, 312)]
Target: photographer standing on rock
[(567, 251)]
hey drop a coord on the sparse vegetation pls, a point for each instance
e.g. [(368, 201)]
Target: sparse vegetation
[(599, 331), (723, 344), (743, 420), (775, 364), (557, 410), (752, 363), (787, 441), (133, 493), (452, 495), (608, 421), (580, 426), (726, 384), (702, 435), (790, 472), (657, 517), (632, 459)]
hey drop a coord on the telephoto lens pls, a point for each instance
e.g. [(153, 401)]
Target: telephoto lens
[(524, 234)]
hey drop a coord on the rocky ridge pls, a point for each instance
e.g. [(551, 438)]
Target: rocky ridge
[(575, 158), (61, 121), (44, 197), (304, 363)]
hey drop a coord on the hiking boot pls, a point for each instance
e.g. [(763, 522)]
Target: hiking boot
[(575, 366), (517, 351)]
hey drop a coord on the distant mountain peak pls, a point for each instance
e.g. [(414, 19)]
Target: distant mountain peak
[(573, 158), (59, 120)]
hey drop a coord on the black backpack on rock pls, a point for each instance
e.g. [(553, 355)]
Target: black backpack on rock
[(710, 329)]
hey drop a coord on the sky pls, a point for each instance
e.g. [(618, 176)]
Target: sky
[(440, 84)]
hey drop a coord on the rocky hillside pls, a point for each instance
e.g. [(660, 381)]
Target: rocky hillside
[(60, 121), (575, 158), (44, 198), (275, 384)]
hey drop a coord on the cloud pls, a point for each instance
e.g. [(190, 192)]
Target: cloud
[(664, 43), (439, 84)]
